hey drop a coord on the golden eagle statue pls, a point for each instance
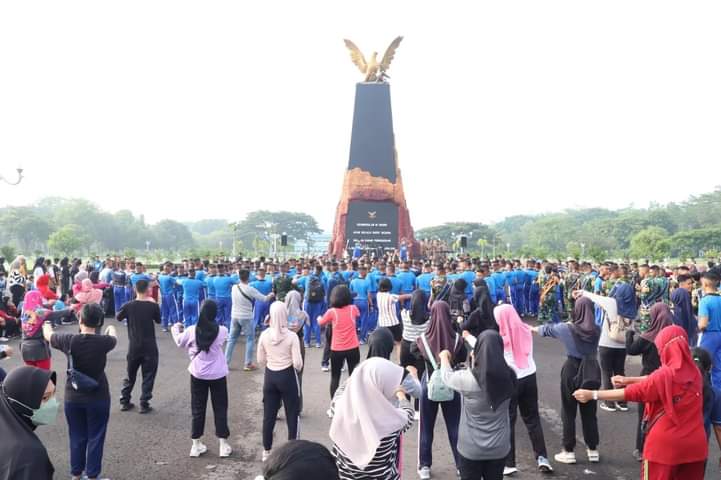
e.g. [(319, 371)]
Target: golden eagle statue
[(373, 70)]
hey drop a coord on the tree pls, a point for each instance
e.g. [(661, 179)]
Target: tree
[(652, 243), (171, 235), (67, 241), (8, 253), (25, 226), (482, 243), (298, 226)]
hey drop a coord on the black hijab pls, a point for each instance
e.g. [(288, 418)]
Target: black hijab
[(206, 330), (496, 379), (419, 307), (23, 454), (380, 343), (481, 318), (584, 326)]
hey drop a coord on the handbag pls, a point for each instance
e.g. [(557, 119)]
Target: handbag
[(437, 390), (79, 381)]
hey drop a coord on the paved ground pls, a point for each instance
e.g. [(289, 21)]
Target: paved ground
[(156, 446)]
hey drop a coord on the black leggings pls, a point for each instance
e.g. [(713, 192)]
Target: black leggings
[(352, 357), (480, 469), (277, 386), (199, 402), (613, 362), (525, 399), (569, 408), (408, 358), (18, 293)]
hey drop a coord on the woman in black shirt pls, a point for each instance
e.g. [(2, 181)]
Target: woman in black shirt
[(86, 410)]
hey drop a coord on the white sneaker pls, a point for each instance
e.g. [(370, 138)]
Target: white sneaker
[(565, 457), (593, 456), (198, 449), (266, 454), (329, 413), (509, 470), (3, 339), (416, 416), (424, 473), (225, 448), (325, 368)]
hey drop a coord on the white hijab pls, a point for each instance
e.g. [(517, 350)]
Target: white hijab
[(292, 303), (278, 322), (365, 412)]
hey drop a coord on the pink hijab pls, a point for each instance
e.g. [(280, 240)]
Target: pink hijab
[(87, 293), (33, 302), (517, 338), (365, 412)]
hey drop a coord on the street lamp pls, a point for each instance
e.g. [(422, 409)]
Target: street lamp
[(583, 250), (508, 247), (147, 245), (20, 177)]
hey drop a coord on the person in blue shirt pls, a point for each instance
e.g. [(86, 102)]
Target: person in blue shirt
[(120, 282), (403, 252), (357, 252), (333, 279), (314, 309), (374, 277), (407, 279), (469, 276), (424, 279), (261, 309), (223, 284), (491, 283), (534, 293), (395, 282), (168, 304), (709, 322), (180, 275), (210, 281), (499, 281), (201, 274), (139, 275), (191, 297), (519, 286), (360, 289)]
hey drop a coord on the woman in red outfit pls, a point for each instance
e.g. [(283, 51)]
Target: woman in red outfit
[(675, 447)]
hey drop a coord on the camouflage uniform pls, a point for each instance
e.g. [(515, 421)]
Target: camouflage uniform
[(549, 303)]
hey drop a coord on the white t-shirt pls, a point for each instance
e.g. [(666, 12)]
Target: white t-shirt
[(387, 316), (521, 372)]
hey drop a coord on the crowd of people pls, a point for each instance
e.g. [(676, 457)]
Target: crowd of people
[(445, 333)]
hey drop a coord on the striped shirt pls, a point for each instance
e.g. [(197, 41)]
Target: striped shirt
[(412, 332), (384, 465), (387, 316)]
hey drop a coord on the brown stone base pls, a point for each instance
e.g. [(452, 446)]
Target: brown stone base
[(361, 185)]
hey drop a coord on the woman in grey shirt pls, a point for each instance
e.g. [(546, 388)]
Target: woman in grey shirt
[(484, 436)]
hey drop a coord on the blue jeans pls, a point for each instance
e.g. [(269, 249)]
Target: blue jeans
[(168, 310), (248, 328), (119, 297), (711, 342), (224, 307), (261, 310), (190, 312), (363, 320), (87, 424), (428, 413), (180, 301), (314, 310)]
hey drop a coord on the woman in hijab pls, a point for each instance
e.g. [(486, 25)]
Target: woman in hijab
[(439, 336), (683, 307), (35, 350), (675, 446), (27, 399), (518, 353), (38, 269), (297, 319), (484, 439), (367, 423), (660, 318), (87, 294), (208, 373), (481, 318), (279, 349), (580, 339), (415, 323), (300, 459), (381, 344)]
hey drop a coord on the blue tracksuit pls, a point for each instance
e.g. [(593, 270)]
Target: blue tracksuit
[(261, 308), (424, 282), (534, 295), (360, 288), (499, 280), (210, 286), (191, 296), (519, 280), (313, 309), (201, 275), (223, 286), (469, 276), (119, 281), (168, 304), (408, 283)]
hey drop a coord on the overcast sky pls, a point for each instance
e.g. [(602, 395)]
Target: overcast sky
[(193, 110)]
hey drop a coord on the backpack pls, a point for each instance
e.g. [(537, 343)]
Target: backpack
[(437, 390), (617, 329), (459, 304), (335, 280), (316, 292)]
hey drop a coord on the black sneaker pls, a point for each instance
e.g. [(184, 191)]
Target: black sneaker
[(124, 407), (145, 409), (608, 406), (622, 406)]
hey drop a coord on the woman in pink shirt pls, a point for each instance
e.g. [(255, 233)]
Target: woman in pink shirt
[(279, 349), (344, 342)]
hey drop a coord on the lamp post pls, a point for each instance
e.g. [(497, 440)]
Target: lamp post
[(583, 250), (508, 248), (235, 231), (19, 179), (147, 245)]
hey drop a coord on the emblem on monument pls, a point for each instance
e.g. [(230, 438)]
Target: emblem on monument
[(374, 71)]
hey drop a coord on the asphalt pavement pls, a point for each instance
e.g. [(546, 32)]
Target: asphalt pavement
[(156, 445)]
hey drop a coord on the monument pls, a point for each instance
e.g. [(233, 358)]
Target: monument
[(372, 209)]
